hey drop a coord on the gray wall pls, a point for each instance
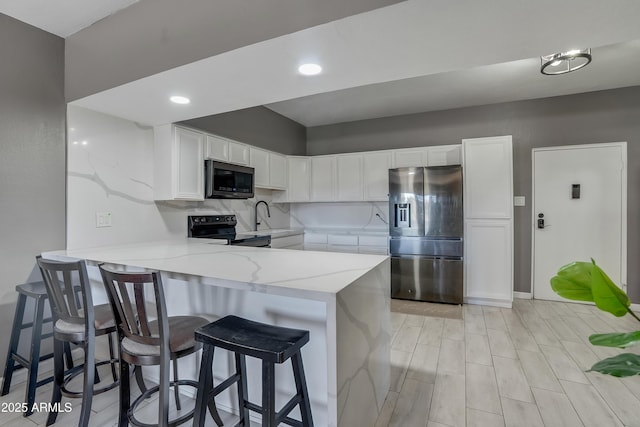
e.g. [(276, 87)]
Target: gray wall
[(32, 157), (156, 35), (257, 126), (606, 116)]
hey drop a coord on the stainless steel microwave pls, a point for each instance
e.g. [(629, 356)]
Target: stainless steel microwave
[(227, 181)]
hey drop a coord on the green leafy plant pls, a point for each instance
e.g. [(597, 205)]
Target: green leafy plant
[(585, 281)]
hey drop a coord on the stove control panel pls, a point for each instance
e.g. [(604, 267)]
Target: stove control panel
[(212, 220)]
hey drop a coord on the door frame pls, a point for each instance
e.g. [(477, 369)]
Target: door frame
[(623, 200)]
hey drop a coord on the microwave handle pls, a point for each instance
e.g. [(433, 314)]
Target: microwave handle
[(208, 178)]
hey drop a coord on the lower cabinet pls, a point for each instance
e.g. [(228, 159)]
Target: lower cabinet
[(488, 261), (347, 243), (288, 242)]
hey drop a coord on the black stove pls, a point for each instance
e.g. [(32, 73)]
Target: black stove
[(223, 227)]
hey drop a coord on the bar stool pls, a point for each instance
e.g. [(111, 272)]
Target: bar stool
[(146, 342), (271, 344), (15, 360), (76, 320)]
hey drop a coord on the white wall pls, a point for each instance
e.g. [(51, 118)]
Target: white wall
[(110, 169), (351, 215)]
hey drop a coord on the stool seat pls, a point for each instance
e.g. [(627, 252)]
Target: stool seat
[(271, 343), (33, 289)]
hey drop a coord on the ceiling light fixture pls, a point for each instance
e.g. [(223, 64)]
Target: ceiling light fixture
[(180, 100), (309, 69), (565, 62)]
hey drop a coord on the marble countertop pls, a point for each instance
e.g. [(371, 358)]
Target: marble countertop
[(291, 272)]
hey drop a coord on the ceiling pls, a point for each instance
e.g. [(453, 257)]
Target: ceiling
[(61, 17), (414, 56)]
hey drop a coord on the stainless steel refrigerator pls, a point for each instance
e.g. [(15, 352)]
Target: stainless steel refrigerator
[(426, 233)]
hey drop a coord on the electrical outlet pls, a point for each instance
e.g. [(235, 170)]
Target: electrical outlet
[(103, 219)]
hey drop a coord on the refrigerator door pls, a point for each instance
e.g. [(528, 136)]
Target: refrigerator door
[(443, 202), (427, 279), (406, 204), (424, 246)]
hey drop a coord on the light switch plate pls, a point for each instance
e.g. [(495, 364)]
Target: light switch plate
[(518, 201), (103, 219)]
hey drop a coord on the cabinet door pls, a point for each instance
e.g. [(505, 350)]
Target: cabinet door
[(488, 177), (488, 261), (260, 162), (217, 148), (298, 190), (238, 153), (376, 175), (350, 182), (410, 157), (444, 155), (277, 170), (189, 164), (323, 178)]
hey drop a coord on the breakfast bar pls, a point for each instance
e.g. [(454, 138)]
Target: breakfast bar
[(342, 299)]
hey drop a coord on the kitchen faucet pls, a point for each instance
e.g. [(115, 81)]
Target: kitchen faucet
[(257, 223)]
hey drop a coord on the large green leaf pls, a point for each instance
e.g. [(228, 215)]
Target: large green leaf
[(573, 281), (584, 281), (607, 296), (622, 365), (620, 340)]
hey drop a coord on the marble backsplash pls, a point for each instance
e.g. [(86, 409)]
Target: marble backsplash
[(361, 216), (110, 169)]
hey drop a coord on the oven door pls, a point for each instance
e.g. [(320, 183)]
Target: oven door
[(227, 181)]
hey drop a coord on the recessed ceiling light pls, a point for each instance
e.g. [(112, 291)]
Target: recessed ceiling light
[(180, 100), (309, 69)]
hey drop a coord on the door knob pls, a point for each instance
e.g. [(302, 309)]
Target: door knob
[(541, 220)]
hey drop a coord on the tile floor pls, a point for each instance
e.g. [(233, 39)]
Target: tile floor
[(524, 366)]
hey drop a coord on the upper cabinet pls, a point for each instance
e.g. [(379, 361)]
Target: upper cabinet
[(226, 150), (179, 163), (270, 168), (299, 173), (323, 179), (350, 177), (376, 175), (444, 155), (488, 177), (410, 157)]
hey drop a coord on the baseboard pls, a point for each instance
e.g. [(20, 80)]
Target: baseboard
[(522, 295), (494, 302)]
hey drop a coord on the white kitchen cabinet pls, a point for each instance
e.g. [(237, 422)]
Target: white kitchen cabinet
[(410, 157), (376, 175), (444, 155), (299, 172), (488, 261), (350, 177), (238, 153), (323, 178), (488, 177), (259, 161), (488, 211), (226, 150), (270, 169), (217, 148), (178, 163), (288, 242), (277, 170)]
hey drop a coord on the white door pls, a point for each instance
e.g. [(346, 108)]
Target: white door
[(580, 191)]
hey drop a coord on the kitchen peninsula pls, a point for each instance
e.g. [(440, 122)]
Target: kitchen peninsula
[(342, 299)]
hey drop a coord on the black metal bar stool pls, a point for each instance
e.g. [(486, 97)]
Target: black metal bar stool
[(15, 360), (271, 344)]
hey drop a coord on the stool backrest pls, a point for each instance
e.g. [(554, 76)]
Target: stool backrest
[(130, 295), (69, 291)]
